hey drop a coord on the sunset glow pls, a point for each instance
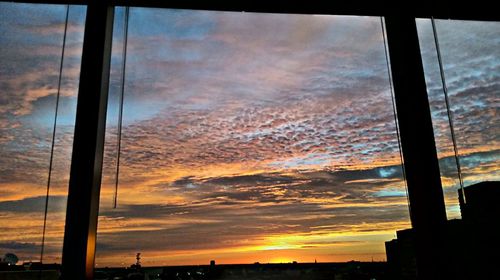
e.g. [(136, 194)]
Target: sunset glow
[(246, 137)]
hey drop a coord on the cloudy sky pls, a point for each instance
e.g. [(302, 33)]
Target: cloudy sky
[(246, 137)]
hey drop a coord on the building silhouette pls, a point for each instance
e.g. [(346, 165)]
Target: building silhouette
[(471, 245), (481, 204)]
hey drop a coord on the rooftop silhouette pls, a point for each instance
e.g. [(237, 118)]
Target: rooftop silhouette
[(471, 249)]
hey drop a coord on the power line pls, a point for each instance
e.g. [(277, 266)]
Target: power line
[(51, 160), (120, 112), (448, 110), (394, 111)]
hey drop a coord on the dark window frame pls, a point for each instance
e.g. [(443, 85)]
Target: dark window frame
[(428, 213)]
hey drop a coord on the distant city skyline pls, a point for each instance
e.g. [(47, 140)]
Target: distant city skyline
[(247, 137)]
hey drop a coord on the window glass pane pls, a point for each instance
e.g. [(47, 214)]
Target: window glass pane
[(31, 41), (250, 138), (471, 62)]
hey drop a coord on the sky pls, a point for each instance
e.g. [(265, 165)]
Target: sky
[(246, 137)]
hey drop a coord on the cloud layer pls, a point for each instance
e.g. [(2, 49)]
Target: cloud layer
[(247, 137)]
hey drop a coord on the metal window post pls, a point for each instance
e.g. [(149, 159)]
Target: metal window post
[(88, 145), (428, 215)]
